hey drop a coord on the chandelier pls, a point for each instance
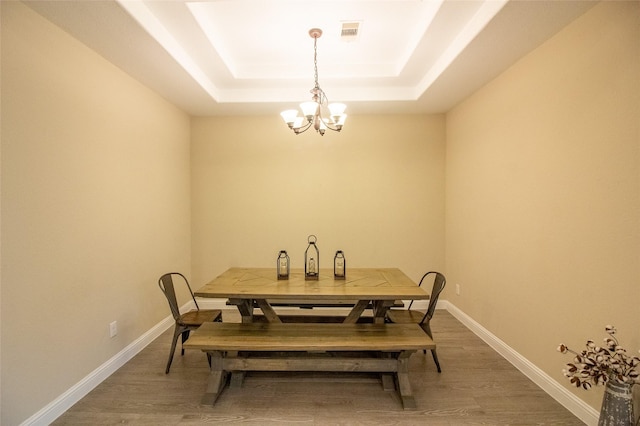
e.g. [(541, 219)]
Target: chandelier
[(312, 111)]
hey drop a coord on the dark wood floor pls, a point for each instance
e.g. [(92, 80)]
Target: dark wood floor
[(476, 386)]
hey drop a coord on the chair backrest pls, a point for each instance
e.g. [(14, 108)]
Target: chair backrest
[(167, 286), (438, 285)]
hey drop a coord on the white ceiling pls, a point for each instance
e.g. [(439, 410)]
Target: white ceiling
[(223, 57)]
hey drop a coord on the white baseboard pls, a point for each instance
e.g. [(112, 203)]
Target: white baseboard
[(579, 408), (61, 404), (57, 407)]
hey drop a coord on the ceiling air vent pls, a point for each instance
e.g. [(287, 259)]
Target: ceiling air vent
[(350, 31)]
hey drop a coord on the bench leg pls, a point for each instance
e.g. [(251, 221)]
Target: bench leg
[(388, 379), (388, 383), (406, 394), (217, 379), (237, 377)]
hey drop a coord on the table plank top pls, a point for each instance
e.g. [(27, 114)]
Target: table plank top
[(360, 284)]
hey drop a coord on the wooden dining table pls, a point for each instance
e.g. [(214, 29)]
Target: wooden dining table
[(363, 288)]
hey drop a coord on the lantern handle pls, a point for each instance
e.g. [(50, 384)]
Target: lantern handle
[(315, 239)]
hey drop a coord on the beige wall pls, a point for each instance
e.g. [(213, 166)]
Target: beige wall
[(95, 206), (375, 191), (543, 193), (542, 199)]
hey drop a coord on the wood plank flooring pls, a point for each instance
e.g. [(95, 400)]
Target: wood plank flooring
[(476, 386)]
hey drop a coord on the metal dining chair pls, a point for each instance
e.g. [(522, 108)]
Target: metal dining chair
[(188, 321), (409, 316)]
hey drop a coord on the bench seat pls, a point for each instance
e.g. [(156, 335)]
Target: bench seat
[(239, 347)]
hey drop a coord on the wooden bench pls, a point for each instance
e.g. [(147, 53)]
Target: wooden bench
[(239, 347)]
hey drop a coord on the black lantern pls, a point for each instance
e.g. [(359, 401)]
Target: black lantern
[(339, 266), (311, 260), (282, 265)]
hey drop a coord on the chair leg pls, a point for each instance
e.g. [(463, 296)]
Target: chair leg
[(427, 329), (185, 336), (176, 332), (435, 359)]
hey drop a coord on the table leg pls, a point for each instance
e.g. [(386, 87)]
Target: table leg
[(380, 308), (404, 387), (217, 379), (245, 307), (355, 313), (268, 311)]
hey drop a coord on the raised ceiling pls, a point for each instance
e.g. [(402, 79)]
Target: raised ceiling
[(256, 57)]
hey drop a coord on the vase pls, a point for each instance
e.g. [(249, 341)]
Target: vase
[(617, 405)]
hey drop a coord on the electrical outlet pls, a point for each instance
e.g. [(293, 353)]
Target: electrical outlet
[(113, 328), (458, 289)]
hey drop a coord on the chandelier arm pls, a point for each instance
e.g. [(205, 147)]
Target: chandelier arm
[(303, 129), (330, 127), (327, 124)]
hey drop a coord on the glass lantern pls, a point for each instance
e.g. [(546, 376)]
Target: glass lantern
[(312, 260), (339, 266), (283, 265)]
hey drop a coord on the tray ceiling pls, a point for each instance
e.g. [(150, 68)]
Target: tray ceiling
[(256, 57)]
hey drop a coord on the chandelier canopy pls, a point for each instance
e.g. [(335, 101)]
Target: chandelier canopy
[(312, 111)]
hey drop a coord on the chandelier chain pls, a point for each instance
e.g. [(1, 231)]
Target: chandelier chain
[(317, 91), (315, 60)]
